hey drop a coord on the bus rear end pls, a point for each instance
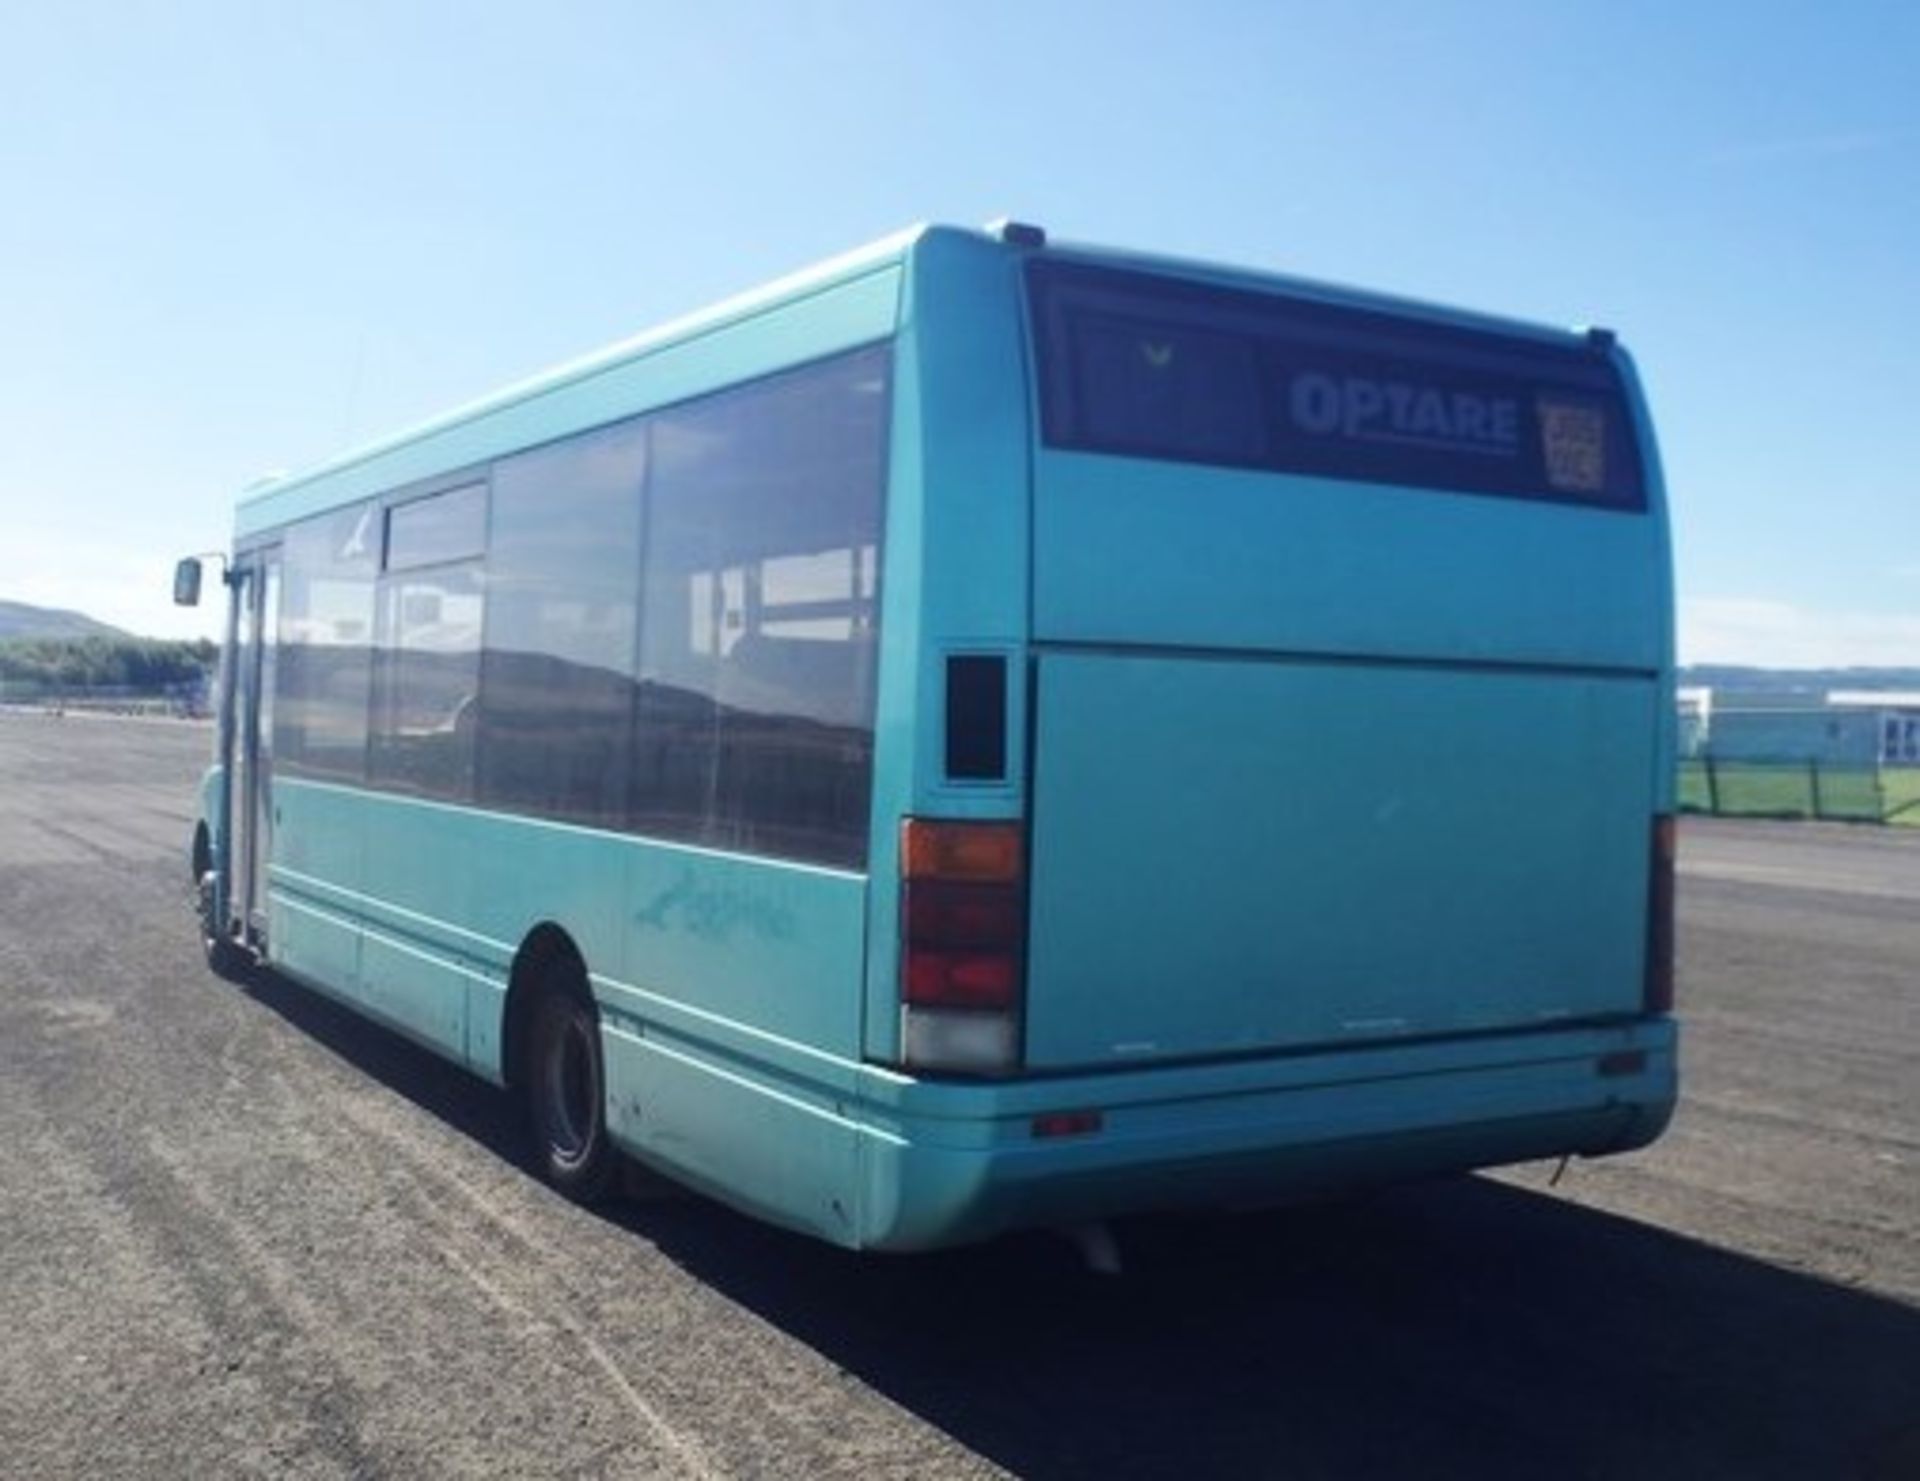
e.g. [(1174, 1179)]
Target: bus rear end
[(1351, 642), (1344, 850)]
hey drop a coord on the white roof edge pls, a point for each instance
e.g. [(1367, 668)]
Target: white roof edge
[(839, 268)]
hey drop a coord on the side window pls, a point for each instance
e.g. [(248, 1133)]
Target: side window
[(556, 685), (426, 671), (755, 708), (440, 528), (325, 650)]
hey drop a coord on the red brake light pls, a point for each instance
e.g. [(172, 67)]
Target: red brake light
[(1067, 1123), (963, 944), (941, 979), (963, 915)]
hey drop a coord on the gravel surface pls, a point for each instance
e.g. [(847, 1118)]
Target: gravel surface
[(244, 1232)]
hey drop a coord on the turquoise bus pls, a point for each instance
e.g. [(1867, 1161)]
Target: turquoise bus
[(986, 733)]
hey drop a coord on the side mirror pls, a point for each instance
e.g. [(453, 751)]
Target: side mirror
[(186, 582)]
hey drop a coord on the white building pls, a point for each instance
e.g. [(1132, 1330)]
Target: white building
[(1899, 711), (1694, 703)]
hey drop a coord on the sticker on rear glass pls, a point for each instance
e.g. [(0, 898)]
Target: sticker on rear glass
[(1573, 438)]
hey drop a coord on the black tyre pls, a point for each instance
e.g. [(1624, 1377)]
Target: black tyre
[(566, 1092), (224, 956)]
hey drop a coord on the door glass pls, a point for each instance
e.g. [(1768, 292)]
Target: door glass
[(268, 628), (241, 677)]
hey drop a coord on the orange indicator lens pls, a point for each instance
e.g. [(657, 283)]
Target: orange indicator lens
[(986, 852)]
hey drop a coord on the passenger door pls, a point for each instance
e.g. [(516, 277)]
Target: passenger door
[(247, 737)]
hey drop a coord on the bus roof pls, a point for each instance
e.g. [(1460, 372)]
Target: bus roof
[(435, 447), (280, 498)]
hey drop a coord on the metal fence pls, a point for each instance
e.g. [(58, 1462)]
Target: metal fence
[(119, 699), (1806, 787)]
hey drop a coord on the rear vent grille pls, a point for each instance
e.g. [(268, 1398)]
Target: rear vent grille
[(977, 718)]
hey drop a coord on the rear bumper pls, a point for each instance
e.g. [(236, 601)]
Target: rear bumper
[(946, 1163)]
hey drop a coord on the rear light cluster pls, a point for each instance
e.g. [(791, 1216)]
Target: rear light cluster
[(1659, 983), (963, 929)]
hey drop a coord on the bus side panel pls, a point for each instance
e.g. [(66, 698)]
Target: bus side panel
[(756, 957), (774, 1147), (737, 941), (730, 1042), (313, 929), (767, 948), (420, 990), (414, 910)]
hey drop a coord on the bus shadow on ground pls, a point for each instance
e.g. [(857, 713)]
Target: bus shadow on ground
[(1463, 1328), (1459, 1328)]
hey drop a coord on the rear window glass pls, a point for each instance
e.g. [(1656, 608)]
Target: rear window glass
[(1153, 367)]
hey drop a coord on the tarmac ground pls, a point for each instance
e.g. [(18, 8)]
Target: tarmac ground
[(242, 1231)]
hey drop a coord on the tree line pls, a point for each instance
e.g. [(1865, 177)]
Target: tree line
[(152, 664)]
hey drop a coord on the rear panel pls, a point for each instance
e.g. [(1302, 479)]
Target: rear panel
[(1377, 488), (1240, 854), (1349, 639)]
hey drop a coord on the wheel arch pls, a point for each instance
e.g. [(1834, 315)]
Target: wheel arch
[(545, 947), (200, 855)]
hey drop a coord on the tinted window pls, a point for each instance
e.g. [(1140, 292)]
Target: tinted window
[(679, 617), (976, 738), (326, 637), (426, 681), (755, 715), (1147, 386), (1156, 367), (563, 566), (451, 526)]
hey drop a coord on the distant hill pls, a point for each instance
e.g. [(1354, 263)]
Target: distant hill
[(1809, 684), (21, 620)]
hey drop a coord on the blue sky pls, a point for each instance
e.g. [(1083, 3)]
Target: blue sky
[(235, 238)]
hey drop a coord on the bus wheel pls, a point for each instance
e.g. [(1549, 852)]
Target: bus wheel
[(566, 1094), (225, 958)]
